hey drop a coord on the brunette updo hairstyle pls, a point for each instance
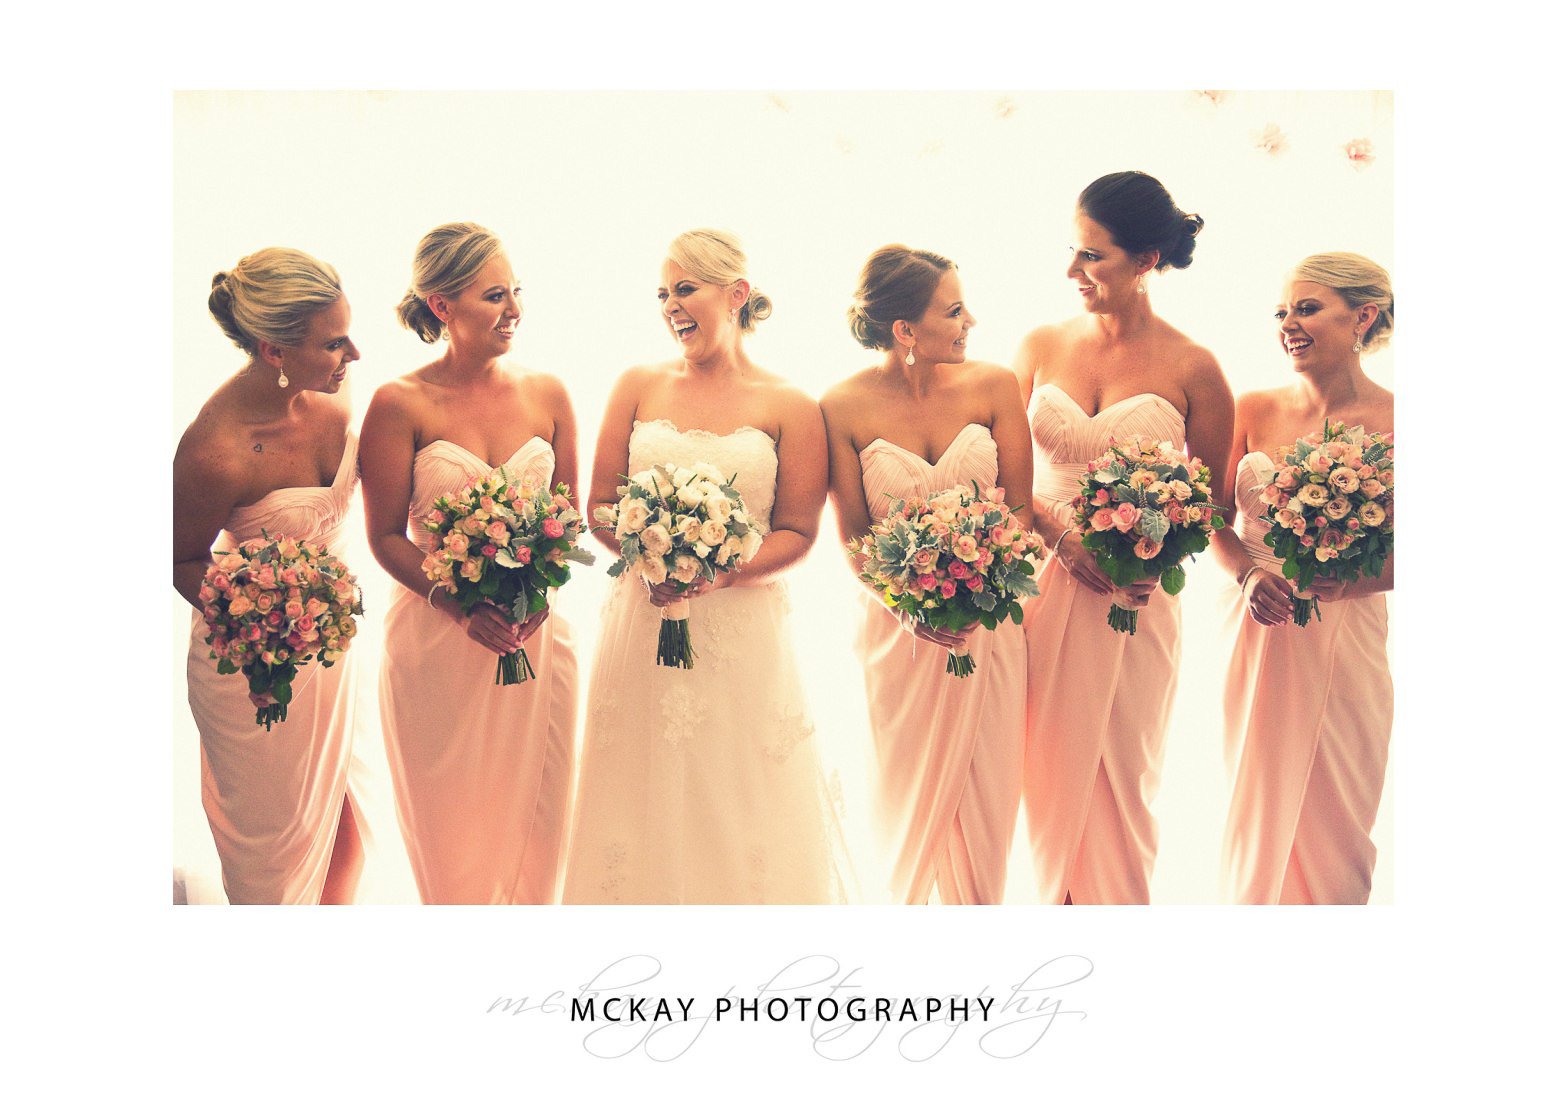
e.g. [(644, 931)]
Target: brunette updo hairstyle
[(1141, 216), (1358, 280), (896, 282), (271, 295), (446, 261), (714, 256)]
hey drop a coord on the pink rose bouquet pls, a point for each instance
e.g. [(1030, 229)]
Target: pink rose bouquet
[(679, 524), (505, 540), (272, 605), (955, 558), (1144, 507), (1330, 509)]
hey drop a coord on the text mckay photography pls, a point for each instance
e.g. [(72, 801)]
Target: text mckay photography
[(835, 1009)]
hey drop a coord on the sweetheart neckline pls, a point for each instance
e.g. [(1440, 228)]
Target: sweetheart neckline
[(477, 458), (635, 423), (1106, 407), (940, 457), (348, 454)]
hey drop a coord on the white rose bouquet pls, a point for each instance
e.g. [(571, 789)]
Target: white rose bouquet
[(679, 524)]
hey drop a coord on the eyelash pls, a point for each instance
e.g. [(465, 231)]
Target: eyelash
[(1300, 312), (682, 291), (496, 298)]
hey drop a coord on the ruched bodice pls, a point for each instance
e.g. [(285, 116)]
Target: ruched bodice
[(302, 512), (890, 472), (1066, 438), (1252, 474), (443, 467), (746, 454)]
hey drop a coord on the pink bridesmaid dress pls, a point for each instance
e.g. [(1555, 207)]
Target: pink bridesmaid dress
[(1308, 713), (1098, 700), (482, 773), (949, 751), (273, 798)]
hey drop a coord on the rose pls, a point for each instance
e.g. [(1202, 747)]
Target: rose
[(656, 540), (687, 568), (727, 551), (959, 570), (239, 606), (498, 532), (926, 581), (720, 508), (923, 560), (1371, 487), (751, 545), (1318, 462), (470, 569), (488, 550), (524, 554), (1124, 516), (713, 532), (948, 588), (1371, 514), (553, 528), (983, 559), (634, 515), (1337, 508), (1141, 479), (1182, 491), (293, 610), (652, 569), (689, 528), (1146, 548), (1102, 521), (1326, 553), (1101, 498)]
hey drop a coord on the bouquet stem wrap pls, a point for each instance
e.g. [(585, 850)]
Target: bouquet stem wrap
[(1123, 617), (674, 636), (959, 662)]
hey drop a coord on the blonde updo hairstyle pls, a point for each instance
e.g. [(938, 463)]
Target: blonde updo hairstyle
[(897, 282), (445, 263), (714, 256), (271, 295), (1358, 281)]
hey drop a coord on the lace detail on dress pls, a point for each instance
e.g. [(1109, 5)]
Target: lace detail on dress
[(614, 870), (791, 726), (680, 712)]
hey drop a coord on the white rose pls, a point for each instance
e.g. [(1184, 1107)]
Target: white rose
[(720, 508), (633, 517), (688, 497), (689, 528), (656, 540), (713, 532), (739, 517), (687, 569), (750, 546), (728, 551), (652, 568), (659, 484), (684, 476)]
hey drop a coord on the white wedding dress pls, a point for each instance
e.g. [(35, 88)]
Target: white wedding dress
[(702, 786)]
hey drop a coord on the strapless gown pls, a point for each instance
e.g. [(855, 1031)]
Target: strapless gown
[(1307, 716), (949, 751), (273, 798), (482, 773), (702, 786), (1098, 700)]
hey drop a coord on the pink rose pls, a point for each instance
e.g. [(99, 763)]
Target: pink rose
[(1145, 548), (524, 555), (553, 528), (975, 584), (498, 531), (983, 559), (239, 606), (206, 593), (966, 548), (1101, 498), (959, 570), (251, 632), (948, 588), (926, 581), (488, 550), (1124, 516), (221, 582), (293, 610), (1102, 521)]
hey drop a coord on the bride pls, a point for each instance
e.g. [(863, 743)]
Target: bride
[(702, 786)]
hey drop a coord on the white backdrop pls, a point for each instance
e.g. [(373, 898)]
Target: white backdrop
[(587, 189)]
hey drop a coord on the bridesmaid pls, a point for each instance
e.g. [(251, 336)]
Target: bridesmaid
[(271, 451), (1308, 711), (1099, 700), (925, 419), (482, 772)]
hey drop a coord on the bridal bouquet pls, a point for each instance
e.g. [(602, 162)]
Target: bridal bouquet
[(955, 558), (504, 540), (272, 605), (1144, 507), (679, 524), (1330, 508)]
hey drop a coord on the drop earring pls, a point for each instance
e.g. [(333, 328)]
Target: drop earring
[(1358, 347), (909, 360), (1142, 288), (282, 378)]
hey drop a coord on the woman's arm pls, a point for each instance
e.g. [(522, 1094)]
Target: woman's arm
[(1014, 444), (612, 453), (801, 491), (206, 488), (846, 481), (563, 439)]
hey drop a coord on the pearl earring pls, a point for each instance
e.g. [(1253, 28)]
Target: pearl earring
[(282, 378), (1142, 288), (909, 360), (1358, 346)]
